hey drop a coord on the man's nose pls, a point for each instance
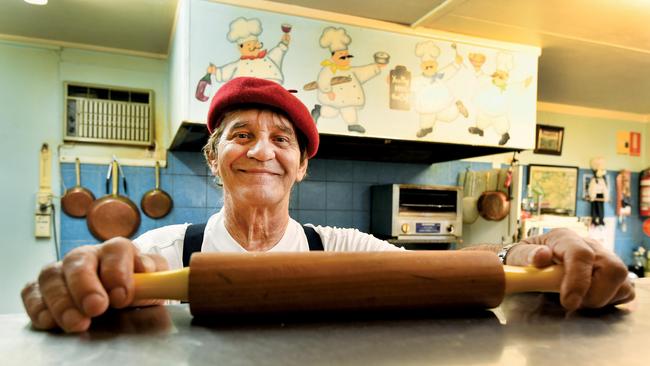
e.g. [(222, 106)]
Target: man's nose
[(261, 150)]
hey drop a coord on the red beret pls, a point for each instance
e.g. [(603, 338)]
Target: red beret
[(248, 90)]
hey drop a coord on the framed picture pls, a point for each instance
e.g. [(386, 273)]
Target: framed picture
[(548, 140), (555, 187)]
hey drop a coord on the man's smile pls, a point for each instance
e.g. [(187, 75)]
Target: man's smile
[(260, 171)]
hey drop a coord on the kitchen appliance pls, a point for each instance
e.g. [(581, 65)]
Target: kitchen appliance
[(412, 214)]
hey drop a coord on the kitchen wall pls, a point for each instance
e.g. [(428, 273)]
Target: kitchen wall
[(31, 101)]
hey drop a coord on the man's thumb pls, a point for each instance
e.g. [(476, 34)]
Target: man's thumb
[(530, 254)]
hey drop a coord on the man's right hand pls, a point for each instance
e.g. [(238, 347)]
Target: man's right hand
[(69, 293)]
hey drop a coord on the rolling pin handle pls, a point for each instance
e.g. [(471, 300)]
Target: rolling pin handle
[(168, 285), (532, 279)]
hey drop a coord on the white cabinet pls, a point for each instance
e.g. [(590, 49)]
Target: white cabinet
[(369, 79)]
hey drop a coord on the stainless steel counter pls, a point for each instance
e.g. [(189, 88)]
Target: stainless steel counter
[(527, 329)]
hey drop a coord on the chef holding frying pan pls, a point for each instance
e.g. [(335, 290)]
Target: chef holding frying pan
[(262, 138)]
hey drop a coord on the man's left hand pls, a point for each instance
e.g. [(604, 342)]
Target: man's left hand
[(594, 277)]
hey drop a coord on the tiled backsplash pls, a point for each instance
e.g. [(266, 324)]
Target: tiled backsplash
[(335, 192)]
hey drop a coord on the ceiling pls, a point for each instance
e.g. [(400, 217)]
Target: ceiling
[(595, 53)]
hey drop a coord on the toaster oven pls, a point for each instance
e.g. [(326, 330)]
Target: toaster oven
[(417, 213)]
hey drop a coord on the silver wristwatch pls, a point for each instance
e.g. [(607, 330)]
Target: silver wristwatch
[(503, 253)]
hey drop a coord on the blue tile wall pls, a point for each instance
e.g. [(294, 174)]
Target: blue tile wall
[(335, 192)]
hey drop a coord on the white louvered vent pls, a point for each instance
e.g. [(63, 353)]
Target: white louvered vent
[(112, 115)]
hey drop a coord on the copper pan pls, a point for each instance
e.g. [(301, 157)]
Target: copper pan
[(77, 200), (156, 203), (493, 204), (113, 215)]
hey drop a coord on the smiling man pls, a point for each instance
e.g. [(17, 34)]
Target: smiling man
[(261, 140)]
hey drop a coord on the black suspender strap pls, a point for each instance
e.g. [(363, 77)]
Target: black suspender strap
[(313, 239), (194, 239)]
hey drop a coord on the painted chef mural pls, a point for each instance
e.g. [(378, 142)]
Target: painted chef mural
[(434, 100), (254, 59), (339, 85), (365, 82), (494, 96)]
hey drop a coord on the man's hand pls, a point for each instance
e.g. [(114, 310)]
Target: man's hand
[(69, 293), (594, 277)]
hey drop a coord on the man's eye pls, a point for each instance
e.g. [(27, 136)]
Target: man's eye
[(282, 139), (241, 135)]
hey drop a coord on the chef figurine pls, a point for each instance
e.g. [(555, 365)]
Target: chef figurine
[(341, 98), (493, 100), (598, 191), (254, 60), (434, 101)]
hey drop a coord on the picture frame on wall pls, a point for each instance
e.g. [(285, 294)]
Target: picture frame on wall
[(549, 140), (557, 186)]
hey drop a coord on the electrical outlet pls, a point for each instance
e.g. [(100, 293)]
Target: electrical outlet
[(43, 215), (43, 225)]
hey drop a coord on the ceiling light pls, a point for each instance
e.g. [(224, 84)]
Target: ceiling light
[(36, 2)]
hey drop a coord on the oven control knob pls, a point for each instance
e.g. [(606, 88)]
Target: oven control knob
[(450, 229), (405, 228)]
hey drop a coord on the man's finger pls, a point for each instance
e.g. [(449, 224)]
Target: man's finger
[(625, 293), (529, 254), (58, 300), (606, 280), (578, 259), (80, 272), (36, 309), (149, 263), (116, 271)]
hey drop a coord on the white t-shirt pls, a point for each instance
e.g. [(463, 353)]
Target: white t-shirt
[(168, 240)]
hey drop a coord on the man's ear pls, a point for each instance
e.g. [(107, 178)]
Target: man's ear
[(214, 166), (302, 170)]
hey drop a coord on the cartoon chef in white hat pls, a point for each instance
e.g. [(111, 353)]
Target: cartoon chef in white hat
[(254, 60), (493, 100), (346, 97), (434, 101)]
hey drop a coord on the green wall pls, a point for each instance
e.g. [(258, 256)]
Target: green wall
[(30, 106), (588, 137), (31, 103)]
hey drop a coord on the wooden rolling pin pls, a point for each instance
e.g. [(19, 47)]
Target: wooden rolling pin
[(272, 283)]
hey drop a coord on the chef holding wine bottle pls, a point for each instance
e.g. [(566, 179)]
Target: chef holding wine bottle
[(253, 61)]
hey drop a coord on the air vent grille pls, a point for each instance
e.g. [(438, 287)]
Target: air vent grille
[(108, 115)]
